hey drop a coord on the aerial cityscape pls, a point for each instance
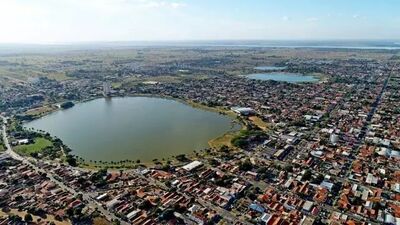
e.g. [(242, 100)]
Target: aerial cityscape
[(199, 127)]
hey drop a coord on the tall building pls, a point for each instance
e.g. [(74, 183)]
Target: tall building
[(334, 138), (106, 89)]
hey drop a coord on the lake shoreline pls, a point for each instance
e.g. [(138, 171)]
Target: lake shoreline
[(220, 110)]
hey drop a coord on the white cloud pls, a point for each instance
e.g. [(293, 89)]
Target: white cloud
[(161, 4), (177, 5), (31, 21), (44, 21), (312, 19)]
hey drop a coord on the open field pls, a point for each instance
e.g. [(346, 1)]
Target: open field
[(40, 143), (100, 221), (224, 140), (222, 110), (40, 111), (49, 218), (59, 76), (258, 122), (322, 77), (140, 64)]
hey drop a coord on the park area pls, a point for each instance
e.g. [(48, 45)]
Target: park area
[(37, 146)]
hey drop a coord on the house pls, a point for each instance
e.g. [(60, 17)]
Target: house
[(193, 165), (243, 111), (308, 206)]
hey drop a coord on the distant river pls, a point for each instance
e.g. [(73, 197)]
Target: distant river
[(283, 76), (134, 128)]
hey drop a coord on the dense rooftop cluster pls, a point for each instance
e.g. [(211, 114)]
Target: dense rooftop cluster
[(30, 192), (330, 153)]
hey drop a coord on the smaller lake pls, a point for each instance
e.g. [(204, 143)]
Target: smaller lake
[(282, 76), (270, 68)]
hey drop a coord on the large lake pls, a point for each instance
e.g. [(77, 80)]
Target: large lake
[(283, 76), (134, 128)]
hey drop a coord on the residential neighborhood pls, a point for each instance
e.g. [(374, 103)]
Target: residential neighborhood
[(325, 152)]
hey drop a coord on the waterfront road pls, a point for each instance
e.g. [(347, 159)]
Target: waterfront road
[(92, 203)]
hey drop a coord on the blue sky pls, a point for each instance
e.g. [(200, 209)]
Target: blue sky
[(59, 21)]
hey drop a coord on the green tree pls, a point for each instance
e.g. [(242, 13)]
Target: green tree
[(307, 175), (116, 222), (28, 218), (71, 160), (288, 168), (15, 218), (225, 149), (239, 142), (181, 157), (318, 179), (246, 165)]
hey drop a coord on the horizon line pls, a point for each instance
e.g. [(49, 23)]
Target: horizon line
[(200, 41)]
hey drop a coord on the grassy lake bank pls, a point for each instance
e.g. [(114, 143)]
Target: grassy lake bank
[(122, 120)]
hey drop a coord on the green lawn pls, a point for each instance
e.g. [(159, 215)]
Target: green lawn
[(40, 143), (2, 148)]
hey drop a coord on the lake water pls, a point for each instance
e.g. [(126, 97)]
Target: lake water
[(283, 76), (134, 128), (270, 68)]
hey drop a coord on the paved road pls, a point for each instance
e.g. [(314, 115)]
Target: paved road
[(264, 185), (92, 203), (226, 215)]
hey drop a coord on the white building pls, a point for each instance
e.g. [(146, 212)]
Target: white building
[(334, 138), (193, 165), (106, 89), (244, 111)]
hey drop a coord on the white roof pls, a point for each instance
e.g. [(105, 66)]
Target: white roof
[(243, 110), (266, 217), (112, 203), (308, 205), (371, 179), (207, 190), (317, 153), (23, 141), (395, 154), (192, 165), (194, 208), (326, 185), (396, 187), (132, 214), (100, 197)]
